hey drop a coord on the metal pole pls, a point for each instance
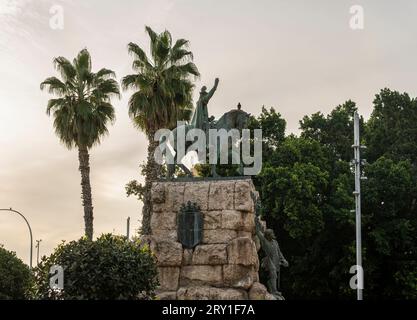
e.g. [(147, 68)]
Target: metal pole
[(357, 193), (37, 252), (128, 227), (30, 232)]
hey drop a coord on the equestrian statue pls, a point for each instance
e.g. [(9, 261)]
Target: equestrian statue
[(234, 119)]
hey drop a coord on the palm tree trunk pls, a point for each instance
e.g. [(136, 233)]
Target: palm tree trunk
[(152, 171), (84, 168)]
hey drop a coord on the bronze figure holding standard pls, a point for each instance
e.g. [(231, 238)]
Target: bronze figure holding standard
[(274, 258)]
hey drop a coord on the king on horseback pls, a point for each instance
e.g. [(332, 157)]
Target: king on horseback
[(198, 135)]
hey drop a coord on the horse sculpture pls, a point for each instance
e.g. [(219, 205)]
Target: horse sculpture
[(234, 119)]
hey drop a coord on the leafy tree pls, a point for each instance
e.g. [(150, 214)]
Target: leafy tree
[(15, 277), (306, 187), (293, 149), (391, 130), (390, 225), (81, 114), (272, 125), (109, 268), (335, 131), (300, 190), (307, 202), (163, 96)]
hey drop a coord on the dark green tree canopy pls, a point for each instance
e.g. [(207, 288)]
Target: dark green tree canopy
[(334, 131), (306, 187), (391, 129), (15, 277)]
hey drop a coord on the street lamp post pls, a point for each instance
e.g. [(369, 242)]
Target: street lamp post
[(38, 242), (358, 177), (30, 233), (128, 228)]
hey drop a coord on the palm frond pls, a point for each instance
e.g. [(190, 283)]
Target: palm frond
[(65, 68), (139, 54), (105, 89), (82, 110), (83, 61), (54, 86), (154, 40), (163, 87), (180, 44), (105, 73), (179, 55)]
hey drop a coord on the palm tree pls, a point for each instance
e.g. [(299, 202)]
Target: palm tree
[(81, 112), (163, 95)]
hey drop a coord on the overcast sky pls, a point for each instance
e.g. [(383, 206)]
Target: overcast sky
[(298, 56)]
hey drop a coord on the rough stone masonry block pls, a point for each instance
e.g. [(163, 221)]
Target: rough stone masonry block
[(167, 295), (194, 293), (232, 219), (168, 278), (248, 219), (242, 251), (238, 220), (246, 234), (218, 236), (164, 235), (197, 192), (210, 254), (239, 276), (201, 275), (164, 220), (210, 293), (258, 292), (158, 197), (174, 196), (243, 199), (221, 195), (228, 294), (187, 257), (212, 220), (168, 253)]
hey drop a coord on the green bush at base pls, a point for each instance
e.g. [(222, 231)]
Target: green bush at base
[(110, 267), (15, 276)]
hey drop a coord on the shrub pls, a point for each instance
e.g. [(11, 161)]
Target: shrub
[(109, 268), (15, 276)]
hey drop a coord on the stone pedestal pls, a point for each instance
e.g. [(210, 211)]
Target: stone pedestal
[(225, 264)]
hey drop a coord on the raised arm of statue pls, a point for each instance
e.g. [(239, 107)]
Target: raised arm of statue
[(212, 91)]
